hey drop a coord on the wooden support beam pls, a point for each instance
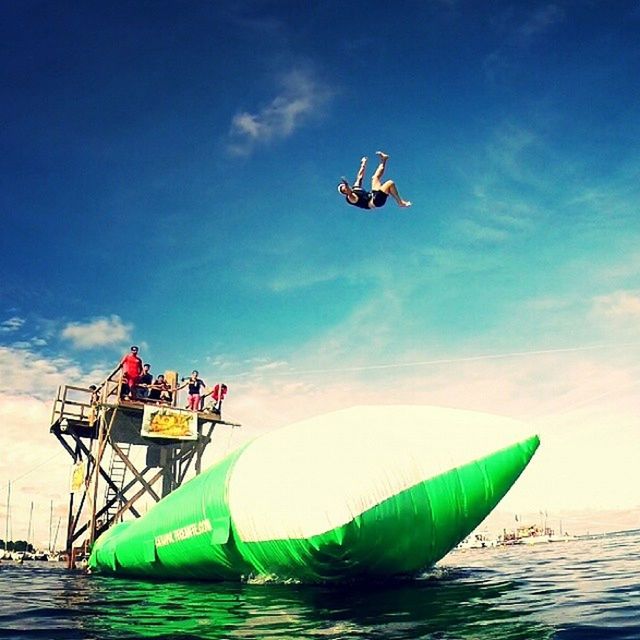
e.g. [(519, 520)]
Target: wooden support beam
[(136, 496), (117, 422), (134, 471)]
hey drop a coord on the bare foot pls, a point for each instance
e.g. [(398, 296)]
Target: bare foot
[(404, 203), (383, 156), (363, 160)]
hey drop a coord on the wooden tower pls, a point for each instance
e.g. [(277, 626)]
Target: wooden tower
[(101, 431)]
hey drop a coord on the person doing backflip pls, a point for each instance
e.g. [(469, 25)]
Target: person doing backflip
[(377, 197)]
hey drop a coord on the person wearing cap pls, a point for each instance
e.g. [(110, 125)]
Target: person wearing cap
[(358, 197), (131, 370)]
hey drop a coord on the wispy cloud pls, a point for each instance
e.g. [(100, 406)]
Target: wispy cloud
[(520, 34), (505, 180), (540, 21), (620, 305), (481, 232), (510, 149), (12, 324), (99, 332), (301, 97)]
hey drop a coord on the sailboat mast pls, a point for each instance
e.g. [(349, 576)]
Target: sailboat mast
[(6, 541), (30, 522), (55, 538), (50, 523)]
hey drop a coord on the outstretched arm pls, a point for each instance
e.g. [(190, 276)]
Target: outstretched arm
[(360, 174)]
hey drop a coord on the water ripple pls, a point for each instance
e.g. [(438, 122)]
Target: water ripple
[(576, 590)]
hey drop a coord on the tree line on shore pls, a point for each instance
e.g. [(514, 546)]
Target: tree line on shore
[(17, 545)]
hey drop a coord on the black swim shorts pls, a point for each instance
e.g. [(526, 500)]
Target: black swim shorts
[(379, 198)]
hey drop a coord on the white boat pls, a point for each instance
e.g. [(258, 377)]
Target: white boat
[(478, 541), (561, 538), (537, 539)]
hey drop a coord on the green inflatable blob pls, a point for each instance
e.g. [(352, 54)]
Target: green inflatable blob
[(364, 493)]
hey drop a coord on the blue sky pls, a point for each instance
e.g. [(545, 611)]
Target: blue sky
[(168, 179)]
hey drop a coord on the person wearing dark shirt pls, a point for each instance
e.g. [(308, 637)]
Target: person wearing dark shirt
[(145, 381), (160, 391), (194, 385), (377, 197)]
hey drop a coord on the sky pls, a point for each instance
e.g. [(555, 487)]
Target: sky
[(168, 179)]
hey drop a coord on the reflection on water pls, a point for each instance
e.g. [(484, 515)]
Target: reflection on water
[(442, 603), (582, 589)]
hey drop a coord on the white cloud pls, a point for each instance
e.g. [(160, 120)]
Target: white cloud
[(583, 403), (36, 466), (24, 372), (620, 305), (28, 373), (301, 97), (12, 324), (99, 332)]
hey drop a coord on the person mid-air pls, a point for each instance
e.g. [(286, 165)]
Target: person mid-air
[(358, 197)]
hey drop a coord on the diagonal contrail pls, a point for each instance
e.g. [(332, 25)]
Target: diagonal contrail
[(423, 363)]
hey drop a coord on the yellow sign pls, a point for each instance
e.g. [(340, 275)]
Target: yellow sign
[(78, 475), (168, 422)]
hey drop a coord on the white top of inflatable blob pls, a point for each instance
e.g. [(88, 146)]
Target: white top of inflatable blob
[(317, 474)]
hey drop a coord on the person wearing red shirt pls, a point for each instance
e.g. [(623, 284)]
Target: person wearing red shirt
[(131, 370), (217, 394)]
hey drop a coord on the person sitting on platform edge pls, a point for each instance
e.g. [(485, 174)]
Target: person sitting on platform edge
[(145, 381), (160, 390), (131, 370), (195, 384), (217, 394)]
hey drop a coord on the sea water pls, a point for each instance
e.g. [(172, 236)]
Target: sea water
[(581, 589)]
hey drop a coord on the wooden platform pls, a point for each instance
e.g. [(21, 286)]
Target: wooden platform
[(98, 431), (125, 425)]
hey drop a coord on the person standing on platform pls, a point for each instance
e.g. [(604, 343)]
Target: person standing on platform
[(131, 371), (195, 384)]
